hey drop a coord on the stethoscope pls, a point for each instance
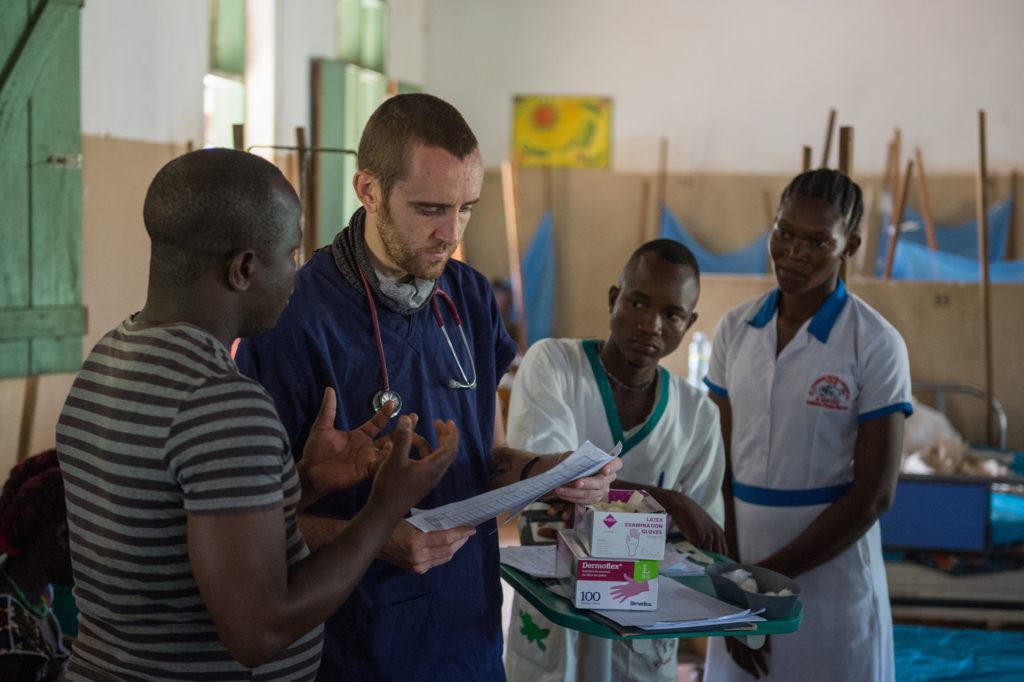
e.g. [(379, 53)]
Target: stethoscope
[(387, 394)]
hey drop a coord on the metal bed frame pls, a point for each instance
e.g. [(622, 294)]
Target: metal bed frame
[(921, 593), (939, 389)]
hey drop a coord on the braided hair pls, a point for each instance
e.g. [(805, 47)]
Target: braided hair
[(833, 187), (31, 502)]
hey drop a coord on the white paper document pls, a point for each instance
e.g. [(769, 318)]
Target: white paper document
[(587, 460), (680, 606), (677, 563), (536, 560)]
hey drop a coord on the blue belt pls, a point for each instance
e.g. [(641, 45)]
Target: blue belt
[(768, 497)]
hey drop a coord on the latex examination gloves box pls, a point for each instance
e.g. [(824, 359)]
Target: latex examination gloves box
[(629, 524), (607, 584)]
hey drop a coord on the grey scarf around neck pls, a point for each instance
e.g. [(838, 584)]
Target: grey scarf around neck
[(351, 256)]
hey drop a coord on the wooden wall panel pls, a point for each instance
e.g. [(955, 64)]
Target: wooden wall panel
[(596, 222)]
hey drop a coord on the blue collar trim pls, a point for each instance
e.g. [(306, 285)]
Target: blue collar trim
[(767, 311), (823, 320)]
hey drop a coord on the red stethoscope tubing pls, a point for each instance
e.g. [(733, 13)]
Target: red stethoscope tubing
[(436, 310), (381, 362)]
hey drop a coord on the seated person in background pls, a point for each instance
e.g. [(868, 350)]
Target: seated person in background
[(571, 390), (503, 297), (181, 487), (34, 541)]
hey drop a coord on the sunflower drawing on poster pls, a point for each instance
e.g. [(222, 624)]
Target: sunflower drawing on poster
[(569, 132)]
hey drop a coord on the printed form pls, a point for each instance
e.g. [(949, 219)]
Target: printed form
[(587, 460)]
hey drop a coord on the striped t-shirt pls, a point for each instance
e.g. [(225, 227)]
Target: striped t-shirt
[(160, 424)]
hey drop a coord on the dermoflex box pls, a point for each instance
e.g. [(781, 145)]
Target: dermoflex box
[(612, 584), (620, 534)]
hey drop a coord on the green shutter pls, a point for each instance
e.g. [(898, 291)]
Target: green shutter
[(227, 36), (344, 98), (346, 91), (41, 316), (361, 33)]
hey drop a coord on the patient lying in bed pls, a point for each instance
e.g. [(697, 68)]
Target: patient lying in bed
[(932, 445)]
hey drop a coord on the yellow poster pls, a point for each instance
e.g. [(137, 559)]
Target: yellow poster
[(569, 132)]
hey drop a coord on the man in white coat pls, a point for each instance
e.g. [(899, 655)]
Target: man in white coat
[(570, 390)]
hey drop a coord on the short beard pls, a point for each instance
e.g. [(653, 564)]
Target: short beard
[(397, 248)]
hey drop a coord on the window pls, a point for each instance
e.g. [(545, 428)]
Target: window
[(346, 91), (224, 84)]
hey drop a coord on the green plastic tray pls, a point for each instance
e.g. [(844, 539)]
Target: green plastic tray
[(561, 612)]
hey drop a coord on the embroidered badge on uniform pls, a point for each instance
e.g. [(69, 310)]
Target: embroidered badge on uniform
[(532, 631), (829, 391)]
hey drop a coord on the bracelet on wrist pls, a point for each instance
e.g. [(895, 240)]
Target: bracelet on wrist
[(527, 467)]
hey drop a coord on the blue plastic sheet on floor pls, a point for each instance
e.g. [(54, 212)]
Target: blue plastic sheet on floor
[(933, 654), (751, 259), (960, 240), (917, 262)]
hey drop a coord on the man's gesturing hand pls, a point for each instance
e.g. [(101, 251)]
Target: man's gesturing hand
[(333, 460), (401, 482)]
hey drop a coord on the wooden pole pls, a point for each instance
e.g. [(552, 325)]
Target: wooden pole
[(645, 199), (548, 189), (805, 163), (769, 207), (869, 243), (28, 416), (897, 157), (926, 204), (515, 269), (846, 150), (897, 218), (845, 166), (829, 131), (309, 235), (890, 159), (661, 188), (1014, 242), (238, 136), (770, 212), (981, 197), (662, 174), (315, 135)]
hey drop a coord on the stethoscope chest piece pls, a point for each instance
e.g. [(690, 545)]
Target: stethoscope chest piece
[(384, 396)]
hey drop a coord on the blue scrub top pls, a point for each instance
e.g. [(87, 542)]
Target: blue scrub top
[(398, 625)]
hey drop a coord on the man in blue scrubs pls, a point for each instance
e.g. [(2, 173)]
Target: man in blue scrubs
[(370, 316)]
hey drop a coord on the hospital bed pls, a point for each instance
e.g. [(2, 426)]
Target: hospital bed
[(971, 526)]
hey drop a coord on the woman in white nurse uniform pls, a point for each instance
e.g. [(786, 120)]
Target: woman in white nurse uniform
[(813, 386)]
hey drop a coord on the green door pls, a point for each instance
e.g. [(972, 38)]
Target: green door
[(41, 315)]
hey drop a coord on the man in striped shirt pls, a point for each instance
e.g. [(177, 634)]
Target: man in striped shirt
[(181, 486)]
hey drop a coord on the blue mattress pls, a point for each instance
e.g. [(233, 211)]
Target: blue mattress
[(927, 653)]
